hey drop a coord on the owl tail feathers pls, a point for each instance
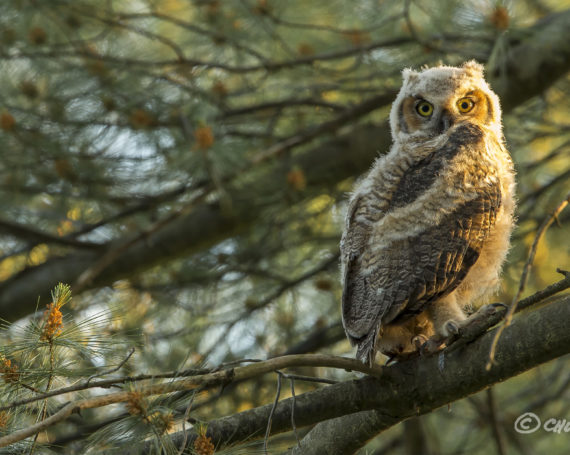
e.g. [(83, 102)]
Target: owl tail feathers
[(366, 350)]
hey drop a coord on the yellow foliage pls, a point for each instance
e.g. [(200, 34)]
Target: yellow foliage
[(170, 6), (74, 213), (38, 255), (65, 227), (319, 203), (244, 406), (552, 252), (9, 370), (203, 445), (330, 96), (53, 324), (10, 266)]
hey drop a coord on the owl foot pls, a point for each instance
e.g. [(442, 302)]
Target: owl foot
[(490, 309), (454, 328), (426, 346), (476, 324), (482, 314), (433, 345), (419, 340), (451, 328)]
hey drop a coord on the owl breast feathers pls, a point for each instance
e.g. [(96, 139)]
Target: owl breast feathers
[(428, 228)]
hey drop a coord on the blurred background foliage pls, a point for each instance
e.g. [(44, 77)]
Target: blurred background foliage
[(186, 127)]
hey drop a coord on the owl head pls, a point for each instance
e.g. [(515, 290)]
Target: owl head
[(433, 101)]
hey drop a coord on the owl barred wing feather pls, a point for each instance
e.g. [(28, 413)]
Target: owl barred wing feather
[(391, 281), (414, 271), (358, 319)]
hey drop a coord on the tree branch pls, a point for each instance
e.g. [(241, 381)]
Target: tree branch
[(27, 233), (352, 412)]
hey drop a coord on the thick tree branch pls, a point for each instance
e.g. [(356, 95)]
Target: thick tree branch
[(349, 154), (352, 412)]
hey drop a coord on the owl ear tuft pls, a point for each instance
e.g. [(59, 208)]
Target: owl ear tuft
[(473, 68), (409, 75)]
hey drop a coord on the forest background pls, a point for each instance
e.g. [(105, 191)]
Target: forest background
[(183, 166)]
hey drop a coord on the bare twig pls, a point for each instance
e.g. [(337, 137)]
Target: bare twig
[(495, 425), (112, 370), (184, 432), (512, 309), (293, 402), (270, 419), (292, 378), (539, 296)]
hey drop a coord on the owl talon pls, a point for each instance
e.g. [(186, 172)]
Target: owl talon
[(451, 328), (392, 358), (492, 308), (418, 341), (431, 346)]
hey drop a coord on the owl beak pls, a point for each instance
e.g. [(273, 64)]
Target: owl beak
[(444, 122)]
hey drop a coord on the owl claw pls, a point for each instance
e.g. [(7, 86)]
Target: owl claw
[(419, 340), (450, 328), (426, 346), (492, 308), (431, 346)]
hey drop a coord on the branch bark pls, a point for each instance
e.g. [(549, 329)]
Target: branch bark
[(515, 79), (352, 412)]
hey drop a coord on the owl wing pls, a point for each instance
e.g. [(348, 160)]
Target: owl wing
[(361, 309), (385, 284)]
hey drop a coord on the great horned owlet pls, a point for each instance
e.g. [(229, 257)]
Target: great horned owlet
[(427, 230)]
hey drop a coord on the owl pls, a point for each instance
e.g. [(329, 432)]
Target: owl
[(427, 230)]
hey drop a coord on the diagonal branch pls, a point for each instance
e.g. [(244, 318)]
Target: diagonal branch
[(424, 386)]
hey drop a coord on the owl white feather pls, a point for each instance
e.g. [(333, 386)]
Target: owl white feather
[(427, 230)]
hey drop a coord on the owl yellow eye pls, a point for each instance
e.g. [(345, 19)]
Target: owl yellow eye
[(465, 105), (424, 108)]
